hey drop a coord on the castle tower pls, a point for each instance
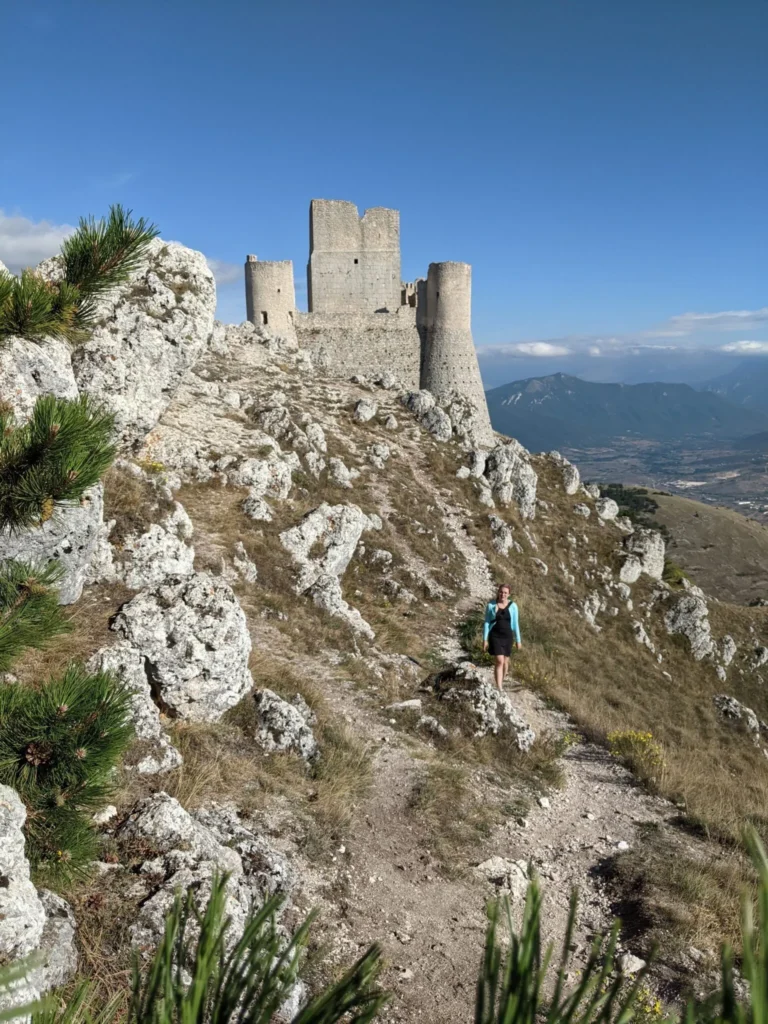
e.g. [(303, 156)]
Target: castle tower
[(449, 362), (354, 262), (269, 295)]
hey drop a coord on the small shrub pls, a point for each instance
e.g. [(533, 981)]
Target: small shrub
[(58, 746), (640, 752), (674, 574)]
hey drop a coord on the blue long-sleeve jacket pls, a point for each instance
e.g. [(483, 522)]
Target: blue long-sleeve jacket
[(490, 618)]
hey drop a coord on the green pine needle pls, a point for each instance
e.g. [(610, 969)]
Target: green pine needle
[(52, 459), (59, 744), (98, 255), (30, 614)]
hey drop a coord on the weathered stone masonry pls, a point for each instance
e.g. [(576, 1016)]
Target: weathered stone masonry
[(362, 318)]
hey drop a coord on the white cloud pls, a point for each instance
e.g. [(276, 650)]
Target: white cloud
[(542, 349), (746, 348), (225, 273), (730, 320), (24, 243), (594, 350)]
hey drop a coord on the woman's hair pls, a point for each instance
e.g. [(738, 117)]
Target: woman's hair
[(503, 586)]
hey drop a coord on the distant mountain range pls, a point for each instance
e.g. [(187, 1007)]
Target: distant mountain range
[(746, 385), (561, 411)]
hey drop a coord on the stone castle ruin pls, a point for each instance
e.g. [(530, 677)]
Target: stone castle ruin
[(363, 319)]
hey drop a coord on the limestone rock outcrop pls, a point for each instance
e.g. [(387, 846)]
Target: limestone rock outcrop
[(34, 923), (734, 711), (336, 529), (645, 554), (493, 712), (190, 852), (30, 369), (512, 477), (149, 332), (194, 638), (157, 753), (70, 538), (146, 559), (689, 616), (282, 726)]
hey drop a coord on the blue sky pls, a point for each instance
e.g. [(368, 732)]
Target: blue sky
[(602, 164)]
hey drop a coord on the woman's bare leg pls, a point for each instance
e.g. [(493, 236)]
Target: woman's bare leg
[(506, 666), (498, 672)]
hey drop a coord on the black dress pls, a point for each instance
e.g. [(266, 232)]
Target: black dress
[(500, 635)]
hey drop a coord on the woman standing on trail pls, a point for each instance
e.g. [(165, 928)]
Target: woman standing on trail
[(500, 630)]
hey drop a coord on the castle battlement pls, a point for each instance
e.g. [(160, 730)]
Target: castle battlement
[(362, 317)]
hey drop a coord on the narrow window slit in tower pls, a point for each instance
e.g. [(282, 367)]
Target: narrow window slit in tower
[(264, 318), (357, 261)]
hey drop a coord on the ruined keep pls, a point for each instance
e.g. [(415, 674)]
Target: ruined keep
[(362, 318)]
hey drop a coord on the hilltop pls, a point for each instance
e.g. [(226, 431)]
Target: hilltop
[(289, 569)]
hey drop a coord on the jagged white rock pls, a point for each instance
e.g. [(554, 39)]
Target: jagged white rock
[(128, 664), (735, 711), (645, 554), (30, 369), (34, 923), (606, 509), (689, 616), (146, 559), (282, 726), (71, 538), (365, 410), (512, 477), (194, 637), (149, 331)]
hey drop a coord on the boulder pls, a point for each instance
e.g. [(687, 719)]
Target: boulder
[(728, 649), (364, 411), (31, 922), (571, 475), (642, 636), (71, 537), (156, 752), (270, 477), (645, 554), (29, 369), (493, 712), (734, 711), (282, 726), (340, 474), (511, 477), (689, 616), (592, 491), (188, 852), (22, 916), (336, 529), (146, 559), (149, 331), (511, 875), (194, 637), (582, 510), (606, 509), (502, 539)]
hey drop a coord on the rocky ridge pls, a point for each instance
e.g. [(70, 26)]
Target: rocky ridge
[(296, 505)]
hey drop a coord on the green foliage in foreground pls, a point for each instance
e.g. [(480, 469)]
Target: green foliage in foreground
[(30, 614), (59, 743), (97, 256), (52, 459), (195, 978)]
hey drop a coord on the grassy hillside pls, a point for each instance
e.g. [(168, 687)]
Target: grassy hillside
[(722, 551)]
